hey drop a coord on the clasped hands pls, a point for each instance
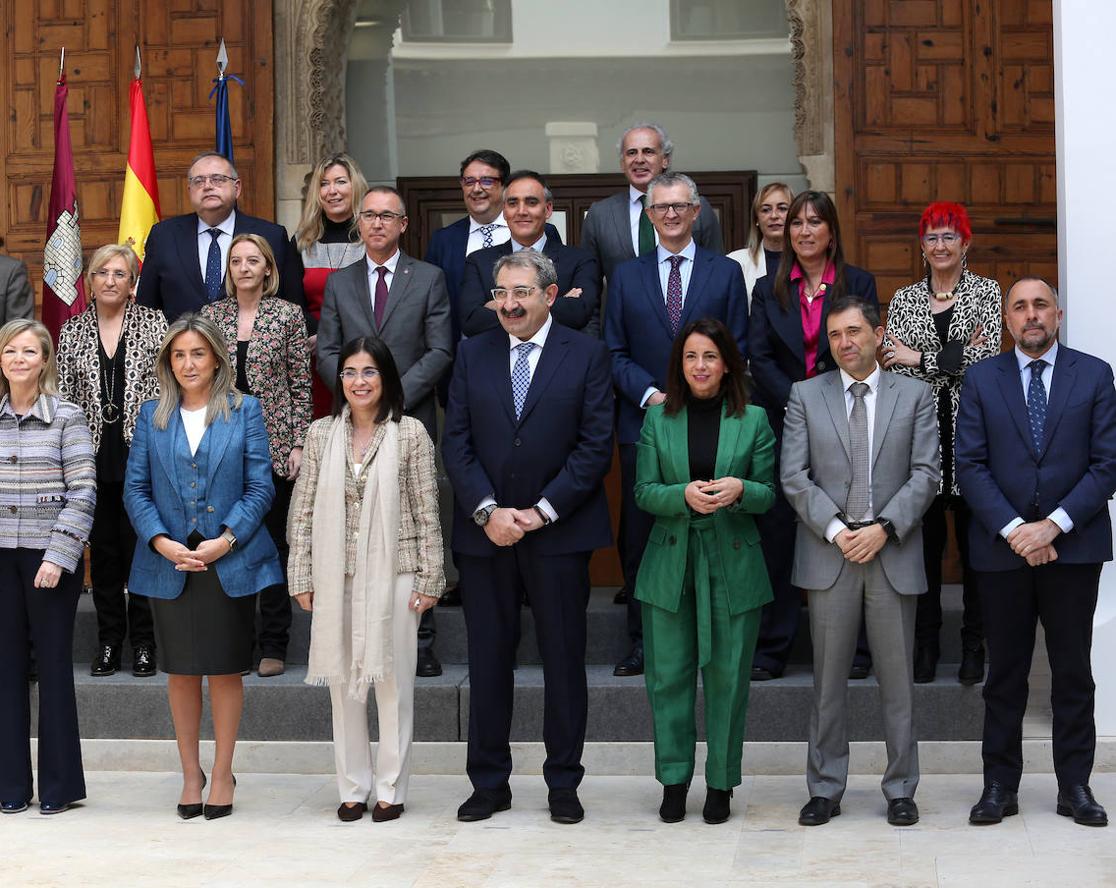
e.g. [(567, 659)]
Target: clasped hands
[(506, 527), (193, 560), (1032, 541), (706, 497), (861, 546)]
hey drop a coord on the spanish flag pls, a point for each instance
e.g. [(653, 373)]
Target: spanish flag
[(140, 207)]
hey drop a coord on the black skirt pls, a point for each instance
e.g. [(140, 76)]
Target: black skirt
[(203, 631)]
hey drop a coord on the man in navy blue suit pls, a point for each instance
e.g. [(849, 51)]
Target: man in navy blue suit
[(527, 445), (185, 256), (649, 300), (1036, 462)]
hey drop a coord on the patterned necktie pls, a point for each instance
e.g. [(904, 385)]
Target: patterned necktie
[(1036, 403), (381, 295), (646, 229), (213, 267), (856, 507), (486, 234), (521, 376), (674, 294)]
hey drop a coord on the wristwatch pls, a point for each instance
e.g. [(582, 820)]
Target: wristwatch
[(542, 515), (889, 529), (229, 537), (481, 516)]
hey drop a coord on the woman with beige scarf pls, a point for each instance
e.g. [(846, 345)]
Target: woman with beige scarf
[(366, 560)]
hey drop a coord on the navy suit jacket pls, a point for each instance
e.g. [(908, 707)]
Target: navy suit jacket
[(637, 328), (560, 448), (776, 352), (575, 267), (1003, 478), (171, 279)]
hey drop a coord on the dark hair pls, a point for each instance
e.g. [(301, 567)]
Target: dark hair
[(944, 214), (733, 386), (534, 177), (821, 204), (844, 302), (385, 189), (391, 397), (491, 158)]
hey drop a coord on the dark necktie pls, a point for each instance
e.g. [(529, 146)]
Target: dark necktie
[(856, 506), (213, 267), (521, 376), (1036, 403), (486, 235), (674, 294), (381, 296), (646, 229)]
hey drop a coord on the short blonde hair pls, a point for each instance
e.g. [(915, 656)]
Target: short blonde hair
[(224, 380), (48, 376), (102, 255), (271, 287)]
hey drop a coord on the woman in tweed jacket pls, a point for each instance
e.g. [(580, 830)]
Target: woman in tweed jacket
[(366, 559), (106, 365), (48, 491)]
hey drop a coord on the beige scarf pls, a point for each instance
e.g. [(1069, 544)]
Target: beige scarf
[(375, 569)]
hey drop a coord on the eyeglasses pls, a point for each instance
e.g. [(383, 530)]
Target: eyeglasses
[(661, 209), (385, 218), (214, 179), (500, 294), (104, 274), (367, 374), (946, 240), (483, 181)]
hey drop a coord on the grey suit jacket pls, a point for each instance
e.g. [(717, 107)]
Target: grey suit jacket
[(607, 231), (17, 299), (816, 473), (416, 328)]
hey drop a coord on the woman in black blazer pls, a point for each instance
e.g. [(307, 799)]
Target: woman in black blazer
[(786, 344)]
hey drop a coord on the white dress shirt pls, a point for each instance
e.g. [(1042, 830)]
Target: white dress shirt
[(836, 525), (224, 241), (537, 246), (193, 421), (685, 270), (501, 234), (373, 277), (635, 210)]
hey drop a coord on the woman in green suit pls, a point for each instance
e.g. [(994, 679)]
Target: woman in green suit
[(705, 467)]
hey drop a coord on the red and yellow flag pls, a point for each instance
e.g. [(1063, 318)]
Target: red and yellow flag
[(140, 207)]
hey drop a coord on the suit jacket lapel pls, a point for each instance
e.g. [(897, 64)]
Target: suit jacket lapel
[(400, 283), (496, 365), (788, 324), (357, 278), (167, 444), (622, 218), (219, 432), (1061, 384), (653, 290), (886, 399), (188, 251), (1011, 388), (835, 400), (553, 354), (699, 274), (678, 446), (732, 427)]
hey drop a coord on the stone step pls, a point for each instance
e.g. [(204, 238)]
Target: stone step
[(607, 637), (286, 709)]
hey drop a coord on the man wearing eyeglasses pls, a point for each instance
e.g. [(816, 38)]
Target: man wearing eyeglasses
[(185, 256), (649, 300)]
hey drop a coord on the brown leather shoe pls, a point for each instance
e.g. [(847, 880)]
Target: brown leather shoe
[(270, 667), (381, 814), (351, 813)]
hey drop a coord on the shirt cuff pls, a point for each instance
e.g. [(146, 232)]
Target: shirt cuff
[(545, 505), (1010, 526), (485, 503), (1060, 517), (647, 395), (834, 527)]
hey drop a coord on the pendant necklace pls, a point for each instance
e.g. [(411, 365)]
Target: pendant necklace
[(110, 413)]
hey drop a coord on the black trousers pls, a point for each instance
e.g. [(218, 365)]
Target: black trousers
[(275, 601), (44, 617), (558, 587), (635, 528), (112, 543), (1063, 597), (928, 620)]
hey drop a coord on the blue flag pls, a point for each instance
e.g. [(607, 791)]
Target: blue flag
[(224, 140)]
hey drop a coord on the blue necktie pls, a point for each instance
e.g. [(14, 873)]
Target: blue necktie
[(486, 235), (1036, 403), (521, 376), (213, 267)]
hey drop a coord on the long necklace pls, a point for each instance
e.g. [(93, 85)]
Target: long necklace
[(110, 413)]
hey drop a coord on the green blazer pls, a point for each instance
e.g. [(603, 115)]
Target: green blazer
[(745, 450)]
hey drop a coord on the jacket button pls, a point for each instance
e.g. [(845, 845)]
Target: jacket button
[(672, 540), (517, 442), (736, 544), (821, 365), (193, 465), (209, 508), (192, 484)]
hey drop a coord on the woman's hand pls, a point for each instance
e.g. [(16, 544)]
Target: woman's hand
[(181, 557), (209, 551), (305, 600), (48, 575), (899, 354), (294, 463), (698, 499), (726, 490), (312, 343), (978, 338), (421, 603)]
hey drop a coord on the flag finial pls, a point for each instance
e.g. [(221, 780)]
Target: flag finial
[(62, 64), (222, 59), (137, 69)]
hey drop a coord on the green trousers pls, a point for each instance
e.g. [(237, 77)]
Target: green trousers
[(701, 635)]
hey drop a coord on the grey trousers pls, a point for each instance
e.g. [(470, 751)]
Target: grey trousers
[(834, 623)]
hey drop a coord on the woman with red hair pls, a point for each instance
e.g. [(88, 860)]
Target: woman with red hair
[(936, 328)]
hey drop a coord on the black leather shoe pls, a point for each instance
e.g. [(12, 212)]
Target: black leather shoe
[(483, 803), (759, 673), (106, 662), (859, 671), (565, 807), (427, 665), (13, 807), (631, 664), (996, 803), (818, 811), (143, 661), (673, 808), (214, 812), (380, 814), (189, 812), (902, 812), (351, 813), (716, 808), (1078, 802), (971, 671), (53, 807), (926, 662), (621, 596)]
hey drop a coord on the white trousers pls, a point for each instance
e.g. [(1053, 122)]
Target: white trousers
[(395, 708)]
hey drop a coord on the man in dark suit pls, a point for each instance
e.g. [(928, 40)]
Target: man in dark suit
[(650, 299), (528, 443), (185, 256), (17, 299), (528, 204), (404, 302), (1036, 462), (616, 229)]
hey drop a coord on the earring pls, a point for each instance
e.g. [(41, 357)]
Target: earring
[(926, 261), (965, 261)]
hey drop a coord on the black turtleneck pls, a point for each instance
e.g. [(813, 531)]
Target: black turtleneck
[(703, 432), (336, 232)]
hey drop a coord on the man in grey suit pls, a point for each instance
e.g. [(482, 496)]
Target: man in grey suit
[(860, 467), (616, 229), (405, 303), (17, 299)]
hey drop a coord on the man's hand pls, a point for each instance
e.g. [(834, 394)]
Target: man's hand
[(502, 529), (527, 519), (861, 546), (699, 500), (1028, 538), (575, 292), (657, 398), (1041, 556)]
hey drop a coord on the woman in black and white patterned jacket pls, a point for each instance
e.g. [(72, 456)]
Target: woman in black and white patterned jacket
[(936, 328)]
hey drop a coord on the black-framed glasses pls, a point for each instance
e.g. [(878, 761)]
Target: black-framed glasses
[(215, 179), (367, 374), (386, 218), (501, 294), (661, 209), (483, 181)]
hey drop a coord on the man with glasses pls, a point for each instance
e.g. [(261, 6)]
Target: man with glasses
[(649, 300), (185, 256)]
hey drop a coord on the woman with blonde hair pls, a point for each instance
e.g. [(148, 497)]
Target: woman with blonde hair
[(197, 488), (765, 236), (106, 365), (48, 493)]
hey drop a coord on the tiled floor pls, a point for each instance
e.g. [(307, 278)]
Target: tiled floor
[(284, 832)]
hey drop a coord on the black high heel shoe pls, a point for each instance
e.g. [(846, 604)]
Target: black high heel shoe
[(189, 812), (213, 812)]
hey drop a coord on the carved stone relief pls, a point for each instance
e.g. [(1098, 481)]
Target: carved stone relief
[(811, 35)]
